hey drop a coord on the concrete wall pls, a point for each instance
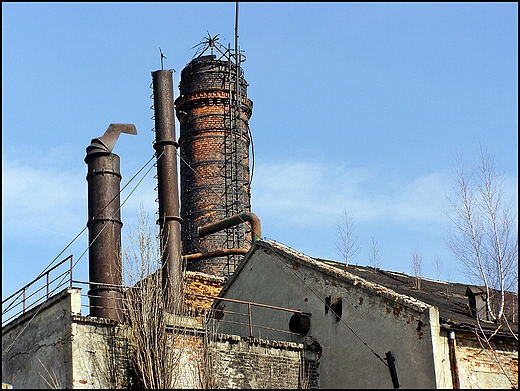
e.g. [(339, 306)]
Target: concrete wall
[(373, 321), (39, 344)]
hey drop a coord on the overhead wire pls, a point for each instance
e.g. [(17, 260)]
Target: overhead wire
[(78, 235), (6, 350), (302, 281)]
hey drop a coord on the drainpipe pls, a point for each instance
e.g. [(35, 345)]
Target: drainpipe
[(104, 224), (232, 221), (453, 360)]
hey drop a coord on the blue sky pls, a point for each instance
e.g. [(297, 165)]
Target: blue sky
[(361, 106)]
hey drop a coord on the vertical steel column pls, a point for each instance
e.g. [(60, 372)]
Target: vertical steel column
[(104, 233), (168, 191)]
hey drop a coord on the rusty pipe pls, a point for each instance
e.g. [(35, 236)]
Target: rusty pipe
[(104, 227), (232, 221), (453, 360), (167, 185), (216, 253)]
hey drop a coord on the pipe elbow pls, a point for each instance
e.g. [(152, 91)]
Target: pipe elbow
[(232, 221), (255, 224)]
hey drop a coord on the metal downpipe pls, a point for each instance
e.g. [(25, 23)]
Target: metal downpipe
[(453, 360), (216, 253)]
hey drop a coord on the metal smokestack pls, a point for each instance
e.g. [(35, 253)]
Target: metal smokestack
[(168, 191), (104, 223)]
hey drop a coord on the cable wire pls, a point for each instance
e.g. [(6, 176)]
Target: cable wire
[(6, 350)]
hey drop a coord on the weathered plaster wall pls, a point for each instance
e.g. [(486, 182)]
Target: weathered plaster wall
[(441, 354), (373, 322), (100, 354), (484, 368), (39, 344)]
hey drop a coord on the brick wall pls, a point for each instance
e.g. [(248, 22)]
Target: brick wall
[(486, 368), (197, 285), (243, 362)]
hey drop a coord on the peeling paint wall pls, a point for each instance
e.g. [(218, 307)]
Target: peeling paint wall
[(372, 322), (100, 354)]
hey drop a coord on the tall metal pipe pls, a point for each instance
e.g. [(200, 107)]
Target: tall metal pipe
[(104, 224), (168, 191)]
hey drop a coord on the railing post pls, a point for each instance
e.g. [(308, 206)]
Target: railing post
[(47, 285), (250, 319), (70, 272), (24, 298)]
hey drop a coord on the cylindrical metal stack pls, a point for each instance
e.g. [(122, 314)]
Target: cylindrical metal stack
[(104, 227), (214, 145), (169, 220)]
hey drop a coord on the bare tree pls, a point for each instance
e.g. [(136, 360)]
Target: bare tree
[(374, 258), (416, 262), (347, 244), (438, 266), (164, 353), (484, 235)]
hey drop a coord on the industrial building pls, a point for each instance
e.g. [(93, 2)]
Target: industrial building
[(242, 312)]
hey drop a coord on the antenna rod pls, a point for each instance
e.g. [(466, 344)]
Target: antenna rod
[(236, 29), (162, 57), (237, 60)]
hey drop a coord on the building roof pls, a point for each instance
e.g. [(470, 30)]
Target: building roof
[(451, 299)]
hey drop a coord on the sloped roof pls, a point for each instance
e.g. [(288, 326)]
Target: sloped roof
[(449, 298)]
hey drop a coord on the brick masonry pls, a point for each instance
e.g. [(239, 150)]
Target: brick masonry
[(486, 368), (243, 362), (204, 115), (198, 285)]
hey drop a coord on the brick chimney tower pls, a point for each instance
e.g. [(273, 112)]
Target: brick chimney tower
[(213, 111)]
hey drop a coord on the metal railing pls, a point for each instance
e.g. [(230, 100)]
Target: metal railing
[(218, 314), (32, 294)]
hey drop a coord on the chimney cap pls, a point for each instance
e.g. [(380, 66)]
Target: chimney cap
[(106, 143)]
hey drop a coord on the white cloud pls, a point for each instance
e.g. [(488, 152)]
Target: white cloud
[(310, 192), (38, 201)]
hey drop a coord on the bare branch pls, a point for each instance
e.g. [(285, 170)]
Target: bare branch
[(347, 244), (374, 258), (484, 237), (158, 349), (438, 266), (416, 262)]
